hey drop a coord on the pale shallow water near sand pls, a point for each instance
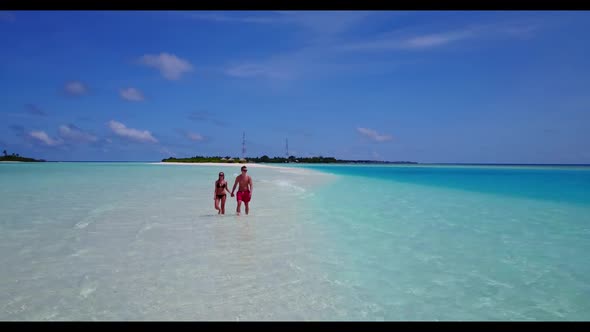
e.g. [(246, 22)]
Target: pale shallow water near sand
[(142, 242), (139, 241)]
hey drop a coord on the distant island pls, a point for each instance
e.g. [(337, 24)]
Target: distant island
[(278, 160), (17, 157)]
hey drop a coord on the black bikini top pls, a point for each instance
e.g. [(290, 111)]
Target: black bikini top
[(221, 185)]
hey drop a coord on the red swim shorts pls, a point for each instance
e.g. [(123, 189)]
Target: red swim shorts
[(244, 196)]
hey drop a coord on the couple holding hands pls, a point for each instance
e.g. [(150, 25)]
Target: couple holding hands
[(244, 191)]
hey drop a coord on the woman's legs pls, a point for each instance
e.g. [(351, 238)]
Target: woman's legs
[(223, 204), (217, 205)]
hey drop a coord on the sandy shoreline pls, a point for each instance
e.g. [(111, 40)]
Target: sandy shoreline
[(282, 169)]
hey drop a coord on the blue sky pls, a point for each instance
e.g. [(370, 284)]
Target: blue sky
[(469, 86)]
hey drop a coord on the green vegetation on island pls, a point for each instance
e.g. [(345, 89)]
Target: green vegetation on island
[(202, 159), (281, 160), (17, 157)]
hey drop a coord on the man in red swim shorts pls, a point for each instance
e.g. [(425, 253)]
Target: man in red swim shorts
[(244, 190)]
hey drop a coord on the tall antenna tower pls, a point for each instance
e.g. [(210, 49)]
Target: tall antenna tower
[(286, 148), (244, 145)]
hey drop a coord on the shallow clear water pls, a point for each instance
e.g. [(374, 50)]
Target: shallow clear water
[(124, 241), (460, 243), (136, 241), (561, 184)]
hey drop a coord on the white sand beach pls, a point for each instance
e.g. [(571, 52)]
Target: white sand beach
[(284, 168)]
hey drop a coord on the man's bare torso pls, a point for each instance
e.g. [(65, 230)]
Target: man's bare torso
[(243, 182)]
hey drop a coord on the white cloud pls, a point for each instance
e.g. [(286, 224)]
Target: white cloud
[(330, 47), (280, 66), (306, 63), (322, 54), (75, 134), (169, 65), (41, 136), (195, 137), (433, 40), (75, 88), (130, 133), (131, 94), (372, 134), (423, 41), (322, 25)]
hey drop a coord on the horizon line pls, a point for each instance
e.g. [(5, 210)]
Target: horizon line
[(376, 161)]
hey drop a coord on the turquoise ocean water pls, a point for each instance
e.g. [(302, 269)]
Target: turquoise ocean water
[(140, 241)]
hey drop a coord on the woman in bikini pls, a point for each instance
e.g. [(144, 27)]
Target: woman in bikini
[(219, 193)]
